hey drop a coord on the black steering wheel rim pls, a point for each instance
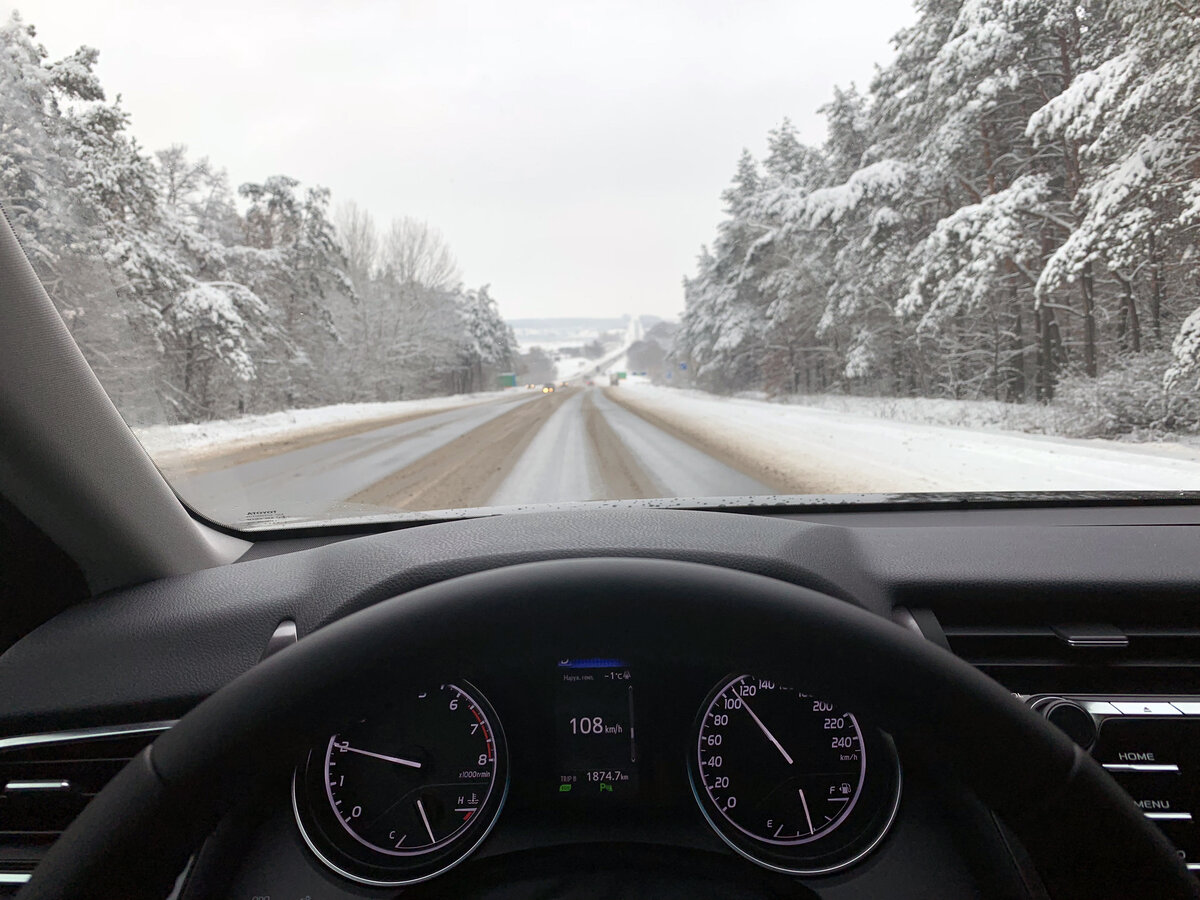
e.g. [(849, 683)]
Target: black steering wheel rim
[(1086, 836)]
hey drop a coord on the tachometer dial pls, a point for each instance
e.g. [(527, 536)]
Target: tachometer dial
[(408, 792), (790, 780)]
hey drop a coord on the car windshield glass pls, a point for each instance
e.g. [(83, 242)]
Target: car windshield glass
[(387, 260)]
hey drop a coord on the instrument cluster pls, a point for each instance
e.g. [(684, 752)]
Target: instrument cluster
[(417, 778)]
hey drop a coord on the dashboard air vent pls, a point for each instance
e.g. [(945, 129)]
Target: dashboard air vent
[(47, 779), (1091, 657)]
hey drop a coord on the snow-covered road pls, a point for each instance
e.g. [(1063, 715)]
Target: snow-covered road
[(636, 441), (317, 479), (594, 449)]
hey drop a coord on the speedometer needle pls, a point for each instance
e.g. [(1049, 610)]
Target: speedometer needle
[(425, 819), (392, 759), (766, 731)]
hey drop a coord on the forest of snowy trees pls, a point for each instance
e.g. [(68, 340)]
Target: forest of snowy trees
[(194, 301), (1011, 212)]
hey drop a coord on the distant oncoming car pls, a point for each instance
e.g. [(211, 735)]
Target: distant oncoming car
[(547, 389)]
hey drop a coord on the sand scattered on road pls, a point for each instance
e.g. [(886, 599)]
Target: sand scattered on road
[(252, 445), (467, 471), (620, 472)]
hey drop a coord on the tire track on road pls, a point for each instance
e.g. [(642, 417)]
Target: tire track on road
[(713, 444), (623, 477), (196, 462), (466, 471)]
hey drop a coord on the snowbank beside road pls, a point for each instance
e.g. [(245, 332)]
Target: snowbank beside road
[(229, 434), (809, 450), (1073, 417), (1028, 418)]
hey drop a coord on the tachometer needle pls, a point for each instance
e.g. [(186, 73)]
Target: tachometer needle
[(425, 819), (766, 731), (392, 759), (804, 803)]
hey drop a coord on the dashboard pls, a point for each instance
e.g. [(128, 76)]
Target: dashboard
[(586, 760)]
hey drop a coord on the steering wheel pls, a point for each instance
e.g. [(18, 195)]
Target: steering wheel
[(1084, 834)]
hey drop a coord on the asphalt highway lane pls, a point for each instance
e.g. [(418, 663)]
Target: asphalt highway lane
[(522, 448)]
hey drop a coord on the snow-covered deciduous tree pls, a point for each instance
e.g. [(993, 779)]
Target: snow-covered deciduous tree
[(414, 330), (191, 302)]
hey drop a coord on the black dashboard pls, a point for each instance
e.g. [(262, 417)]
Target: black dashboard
[(589, 747)]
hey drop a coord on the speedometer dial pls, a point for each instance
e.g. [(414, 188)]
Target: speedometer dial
[(407, 792), (777, 764), (790, 780)]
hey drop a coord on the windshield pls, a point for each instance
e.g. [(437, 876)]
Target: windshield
[(388, 260)]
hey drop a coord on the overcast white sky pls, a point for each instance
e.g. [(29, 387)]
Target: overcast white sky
[(572, 153)]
